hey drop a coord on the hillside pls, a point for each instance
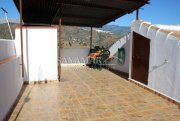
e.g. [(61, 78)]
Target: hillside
[(119, 30), (79, 37), (4, 30)]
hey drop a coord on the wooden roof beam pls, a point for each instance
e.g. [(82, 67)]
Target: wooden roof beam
[(139, 1), (72, 16), (82, 17), (93, 6)]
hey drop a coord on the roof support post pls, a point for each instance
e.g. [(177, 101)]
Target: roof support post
[(59, 51), (137, 14), (21, 37), (91, 39)]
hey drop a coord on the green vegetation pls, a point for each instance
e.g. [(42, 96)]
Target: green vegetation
[(4, 31), (79, 37)]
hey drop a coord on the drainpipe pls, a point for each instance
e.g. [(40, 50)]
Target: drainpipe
[(21, 37)]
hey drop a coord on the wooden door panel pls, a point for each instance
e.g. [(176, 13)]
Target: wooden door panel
[(140, 58)]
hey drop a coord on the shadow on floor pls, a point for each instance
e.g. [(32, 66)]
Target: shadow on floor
[(26, 99), (119, 73)]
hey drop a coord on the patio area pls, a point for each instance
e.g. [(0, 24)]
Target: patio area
[(86, 94)]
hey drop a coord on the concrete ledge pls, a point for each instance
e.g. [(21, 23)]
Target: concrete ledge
[(40, 82), (74, 64), (119, 73), (155, 92)]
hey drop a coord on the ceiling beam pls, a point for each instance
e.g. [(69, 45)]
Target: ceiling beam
[(78, 24), (113, 18), (52, 16), (139, 1), (72, 3), (36, 15), (81, 17)]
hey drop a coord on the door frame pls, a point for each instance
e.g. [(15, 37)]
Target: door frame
[(131, 69)]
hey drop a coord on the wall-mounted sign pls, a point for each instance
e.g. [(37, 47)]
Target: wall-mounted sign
[(121, 56)]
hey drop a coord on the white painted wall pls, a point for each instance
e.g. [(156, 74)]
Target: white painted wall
[(7, 49), (122, 43), (40, 52), (10, 77), (10, 85), (74, 56), (164, 67)]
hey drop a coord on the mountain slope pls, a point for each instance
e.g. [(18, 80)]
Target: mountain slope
[(4, 30), (78, 37), (120, 30)]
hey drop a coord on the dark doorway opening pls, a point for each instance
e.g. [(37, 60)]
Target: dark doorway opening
[(140, 58)]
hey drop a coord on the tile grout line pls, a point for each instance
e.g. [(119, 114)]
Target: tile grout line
[(106, 105), (79, 101), (94, 93), (99, 96)]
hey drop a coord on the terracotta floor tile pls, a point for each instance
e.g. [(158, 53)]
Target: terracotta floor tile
[(85, 94)]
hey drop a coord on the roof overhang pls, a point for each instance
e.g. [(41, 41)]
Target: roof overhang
[(92, 13)]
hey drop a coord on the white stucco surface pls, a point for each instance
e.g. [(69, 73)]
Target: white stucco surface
[(124, 42), (10, 77), (164, 72), (74, 56), (40, 52), (7, 49)]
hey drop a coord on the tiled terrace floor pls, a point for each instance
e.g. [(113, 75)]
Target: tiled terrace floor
[(91, 95)]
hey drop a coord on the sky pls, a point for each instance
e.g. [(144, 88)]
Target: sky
[(157, 12)]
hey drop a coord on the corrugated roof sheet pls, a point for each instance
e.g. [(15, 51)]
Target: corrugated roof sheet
[(94, 13)]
